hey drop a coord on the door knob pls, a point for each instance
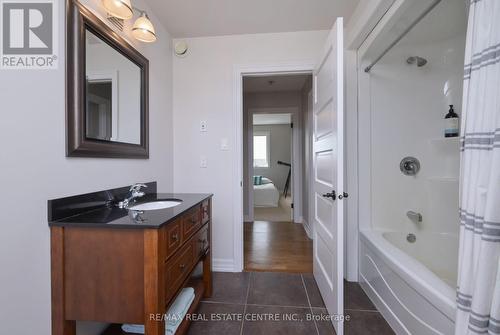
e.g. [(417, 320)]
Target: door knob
[(343, 195), (332, 195)]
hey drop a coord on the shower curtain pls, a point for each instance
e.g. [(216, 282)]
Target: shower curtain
[(478, 287)]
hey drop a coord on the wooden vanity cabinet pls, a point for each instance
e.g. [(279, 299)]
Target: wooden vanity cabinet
[(172, 237), (128, 275)]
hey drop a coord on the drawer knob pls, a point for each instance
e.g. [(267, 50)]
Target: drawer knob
[(182, 266), (175, 237), (193, 221)]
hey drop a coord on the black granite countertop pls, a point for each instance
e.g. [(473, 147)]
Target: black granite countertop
[(105, 214)]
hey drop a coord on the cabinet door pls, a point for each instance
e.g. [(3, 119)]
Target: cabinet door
[(172, 237), (191, 221), (177, 269), (201, 242)]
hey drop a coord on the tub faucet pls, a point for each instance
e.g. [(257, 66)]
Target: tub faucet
[(133, 193), (414, 216)]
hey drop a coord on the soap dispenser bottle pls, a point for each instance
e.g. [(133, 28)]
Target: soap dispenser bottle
[(451, 128)]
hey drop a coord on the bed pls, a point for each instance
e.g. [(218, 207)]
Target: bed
[(266, 194)]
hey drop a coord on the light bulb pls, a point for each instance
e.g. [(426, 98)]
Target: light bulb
[(121, 9)]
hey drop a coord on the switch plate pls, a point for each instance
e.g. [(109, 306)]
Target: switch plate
[(203, 126), (203, 161), (224, 145)]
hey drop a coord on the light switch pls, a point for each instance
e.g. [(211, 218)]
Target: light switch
[(203, 126), (224, 145), (203, 161)]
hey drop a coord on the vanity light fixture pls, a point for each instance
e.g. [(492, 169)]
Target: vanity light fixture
[(121, 9), (143, 28)]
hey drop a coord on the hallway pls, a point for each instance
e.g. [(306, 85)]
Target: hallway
[(282, 213), (277, 246)]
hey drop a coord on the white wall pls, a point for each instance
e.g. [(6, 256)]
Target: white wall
[(34, 169), (203, 90), (283, 99), (280, 149)]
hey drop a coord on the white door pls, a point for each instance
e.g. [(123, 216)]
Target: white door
[(328, 169)]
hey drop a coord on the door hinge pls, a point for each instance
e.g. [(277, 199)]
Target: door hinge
[(291, 125), (291, 205)]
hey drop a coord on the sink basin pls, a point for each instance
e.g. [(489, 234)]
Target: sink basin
[(158, 204)]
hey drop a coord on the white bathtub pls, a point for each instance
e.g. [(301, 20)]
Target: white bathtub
[(412, 284)]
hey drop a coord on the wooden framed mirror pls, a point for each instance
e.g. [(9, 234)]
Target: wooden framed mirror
[(107, 90)]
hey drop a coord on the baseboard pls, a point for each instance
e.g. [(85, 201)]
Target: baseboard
[(307, 228), (222, 265)]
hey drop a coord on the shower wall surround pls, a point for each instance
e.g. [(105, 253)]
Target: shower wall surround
[(408, 105), (404, 216)]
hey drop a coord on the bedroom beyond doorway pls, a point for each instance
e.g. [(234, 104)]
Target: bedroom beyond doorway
[(274, 172), (272, 166)]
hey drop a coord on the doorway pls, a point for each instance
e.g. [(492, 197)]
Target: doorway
[(273, 164), (271, 153)]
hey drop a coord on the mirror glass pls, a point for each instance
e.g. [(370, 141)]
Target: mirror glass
[(112, 93)]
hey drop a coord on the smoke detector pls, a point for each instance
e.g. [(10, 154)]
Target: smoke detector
[(181, 49)]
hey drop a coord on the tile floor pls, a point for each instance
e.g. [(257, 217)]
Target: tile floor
[(291, 299)]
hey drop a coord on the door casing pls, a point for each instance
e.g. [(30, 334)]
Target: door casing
[(238, 74)]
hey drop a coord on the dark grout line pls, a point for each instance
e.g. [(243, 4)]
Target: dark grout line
[(281, 306), (309, 302), (259, 305), (362, 310), (222, 302), (246, 302)]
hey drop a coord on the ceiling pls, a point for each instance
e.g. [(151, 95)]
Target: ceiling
[(276, 83), (194, 18), (447, 20), (266, 119)]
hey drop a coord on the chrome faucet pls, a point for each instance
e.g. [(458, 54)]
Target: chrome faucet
[(133, 194), (414, 216)]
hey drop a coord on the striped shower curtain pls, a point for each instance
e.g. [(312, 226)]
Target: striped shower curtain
[(478, 286)]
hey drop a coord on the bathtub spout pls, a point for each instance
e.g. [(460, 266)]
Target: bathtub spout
[(414, 216)]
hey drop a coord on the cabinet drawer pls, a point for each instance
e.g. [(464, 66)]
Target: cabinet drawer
[(177, 269), (201, 242), (205, 211), (191, 222), (172, 236)]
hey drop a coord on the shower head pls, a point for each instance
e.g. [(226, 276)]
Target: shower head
[(416, 59)]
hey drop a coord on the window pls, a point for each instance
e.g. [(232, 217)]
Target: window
[(261, 149)]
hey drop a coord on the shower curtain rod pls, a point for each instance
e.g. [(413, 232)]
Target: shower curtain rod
[(407, 30)]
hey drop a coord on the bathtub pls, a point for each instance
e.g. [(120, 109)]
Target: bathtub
[(412, 284)]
